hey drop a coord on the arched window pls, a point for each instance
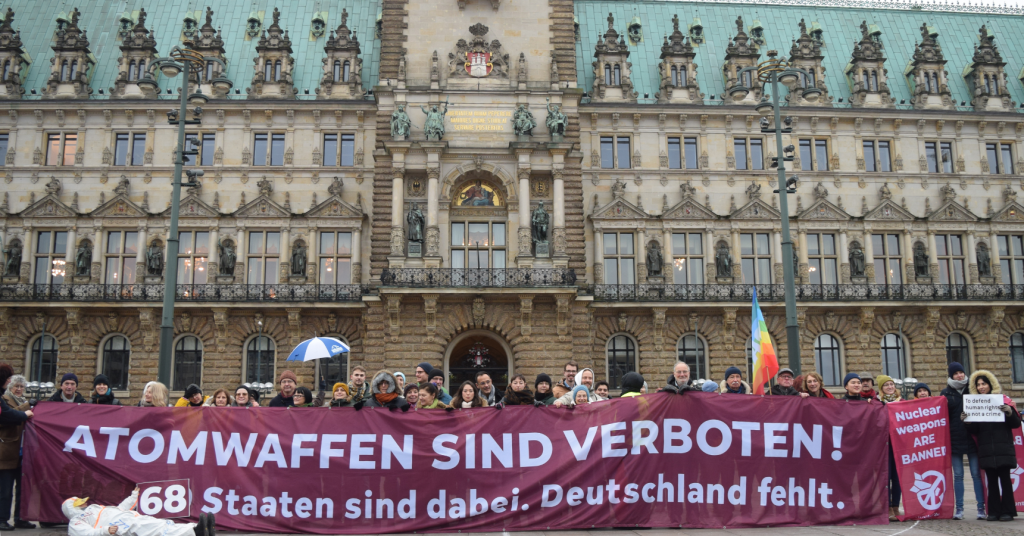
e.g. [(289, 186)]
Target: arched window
[(618, 75), (621, 354), (188, 363), (43, 359), (691, 350), (277, 71), (993, 85), (268, 71), (142, 70), (748, 80), (867, 84), (813, 78), (874, 80), (131, 70), (958, 349), (334, 370), (927, 83), (260, 354), (337, 71), (74, 69), (828, 359), (345, 69), (209, 70), (64, 71), (675, 76), (935, 82), (894, 356), (1017, 356), (116, 354), (7, 69), (607, 75), (682, 77)]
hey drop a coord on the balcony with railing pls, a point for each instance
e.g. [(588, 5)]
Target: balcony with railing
[(806, 293), (147, 293), (478, 277)]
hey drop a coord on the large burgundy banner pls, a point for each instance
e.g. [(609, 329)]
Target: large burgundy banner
[(919, 430), (660, 460)]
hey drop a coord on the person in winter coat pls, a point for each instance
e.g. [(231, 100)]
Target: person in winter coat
[(428, 398), (889, 394), (814, 386), (680, 381), (384, 393), (852, 384), (303, 398), (193, 398), (400, 378), (467, 396), (15, 411), (102, 393), (632, 383), (709, 387), (585, 378), (887, 389), (68, 390), (784, 384), (288, 382), (578, 396), (960, 441), (423, 373), (733, 383), (219, 399), (412, 394), (437, 378), (996, 451), (486, 389), (542, 389), (341, 396), (563, 387), (921, 390), (154, 396), (124, 520), (517, 393), (243, 398), (867, 386)]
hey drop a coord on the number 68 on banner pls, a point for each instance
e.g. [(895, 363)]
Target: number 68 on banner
[(165, 499)]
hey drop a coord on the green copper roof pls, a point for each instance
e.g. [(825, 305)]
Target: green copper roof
[(958, 33), (36, 19)]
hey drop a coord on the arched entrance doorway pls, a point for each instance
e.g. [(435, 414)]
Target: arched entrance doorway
[(478, 351)]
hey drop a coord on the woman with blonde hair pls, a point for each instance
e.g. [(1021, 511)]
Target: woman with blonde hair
[(814, 386), (155, 395)]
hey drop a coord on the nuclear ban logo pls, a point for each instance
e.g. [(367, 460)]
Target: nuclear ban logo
[(930, 489)]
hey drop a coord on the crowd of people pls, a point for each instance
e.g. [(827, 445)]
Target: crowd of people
[(987, 445)]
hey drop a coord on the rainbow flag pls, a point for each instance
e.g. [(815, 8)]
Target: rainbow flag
[(766, 364)]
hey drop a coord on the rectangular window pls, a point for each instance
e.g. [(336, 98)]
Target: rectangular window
[(687, 258), (821, 154), (691, 152), (869, 156), (335, 258), (348, 149), (330, 150), (209, 149), (623, 153), (946, 156), (191, 144), (478, 245), (121, 149), (277, 149), (950, 252), (877, 155), (813, 151), (888, 259), (749, 153), (264, 257), (70, 146), (4, 140), (822, 262), (756, 154), (1011, 258), (259, 150), (756, 258), (1000, 158), (619, 260), (58, 144), (122, 249), (607, 152), (739, 146), (193, 254), (884, 159), (51, 249), (138, 149), (675, 156), (806, 164), (931, 154), (52, 149)]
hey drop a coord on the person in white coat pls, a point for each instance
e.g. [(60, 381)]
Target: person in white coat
[(124, 520), (584, 377)]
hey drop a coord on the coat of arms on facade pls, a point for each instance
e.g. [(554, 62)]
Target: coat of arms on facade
[(478, 58)]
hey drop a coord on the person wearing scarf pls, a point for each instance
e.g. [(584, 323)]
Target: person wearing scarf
[(867, 390), (303, 398), (918, 395), (814, 386), (733, 383), (996, 450), (889, 393), (384, 393), (15, 410), (428, 398), (632, 384), (542, 387), (960, 441), (517, 393), (341, 396), (468, 396), (580, 388), (102, 393)]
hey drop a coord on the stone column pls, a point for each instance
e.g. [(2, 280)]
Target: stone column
[(908, 258), (397, 207), (28, 256), (213, 260), (96, 275), (598, 256), (933, 258), (668, 259), (433, 236), (357, 265), (993, 253), (239, 270), (140, 256), (431, 246), (777, 270), (525, 236), (737, 268), (69, 256), (285, 264), (869, 257), (710, 249), (558, 193), (641, 256), (804, 275), (312, 262), (844, 259), (971, 276)]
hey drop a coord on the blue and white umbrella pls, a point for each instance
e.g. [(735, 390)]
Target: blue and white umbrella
[(318, 348)]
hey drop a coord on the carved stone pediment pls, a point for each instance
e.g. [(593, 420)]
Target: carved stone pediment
[(755, 210), (688, 209), (478, 58), (952, 211), (48, 207), (823, 210), (262, 207), (1012, 212), (619, 209), (194, 207), (119, 207), (889, 211), (334, 207)]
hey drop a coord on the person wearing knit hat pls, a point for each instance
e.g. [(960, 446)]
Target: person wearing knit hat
[(436, 377), (632, 383), (961, 443), (579, 395), (244, 398), (542, 394), (921, 390), (851, 382), (733, 383), (193, 397), (400, 378), (287, 383), (887, 389), (709, 387), (102, 393), (423, 373), (68, 390), (341, 395)]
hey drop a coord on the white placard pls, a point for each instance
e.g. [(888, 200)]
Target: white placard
[(983, 408)]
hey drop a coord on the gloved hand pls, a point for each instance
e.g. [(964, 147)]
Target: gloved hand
[(538, 404), (359, 405), (448, 408), (392, 408), (499, 405), (405, 408)]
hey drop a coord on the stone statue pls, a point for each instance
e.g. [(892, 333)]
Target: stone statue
[(416, 223), (299, 260), (523, 122), (433, 127), (400, 123), (539, 224), (83, 259), (226, 252), (920, 260), (154, 259), (12, 257), (723, 261), (556, 121), (856, 260), (654, 259), (984, 261)]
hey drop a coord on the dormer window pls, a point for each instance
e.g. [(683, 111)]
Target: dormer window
[(277, 71), (64, 71), (74, 69), (679, 77), (209, 70), (268, 70), (697, 34), (337, 70), (7, 70), (131, 71), (345, 70), (141, 70), (746, 79)]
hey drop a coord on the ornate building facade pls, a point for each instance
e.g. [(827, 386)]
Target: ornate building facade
[(502, 186)]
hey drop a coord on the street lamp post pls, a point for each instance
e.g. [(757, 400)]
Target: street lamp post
[(771, 71), (181, 60), (259, 351)]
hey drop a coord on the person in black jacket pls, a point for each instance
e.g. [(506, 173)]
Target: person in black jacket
[(102, 393), (384, 393), (12, 423), (961, 443), (996, 451), (679, 382), (784, 384), (288, 383), (68, 390)]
